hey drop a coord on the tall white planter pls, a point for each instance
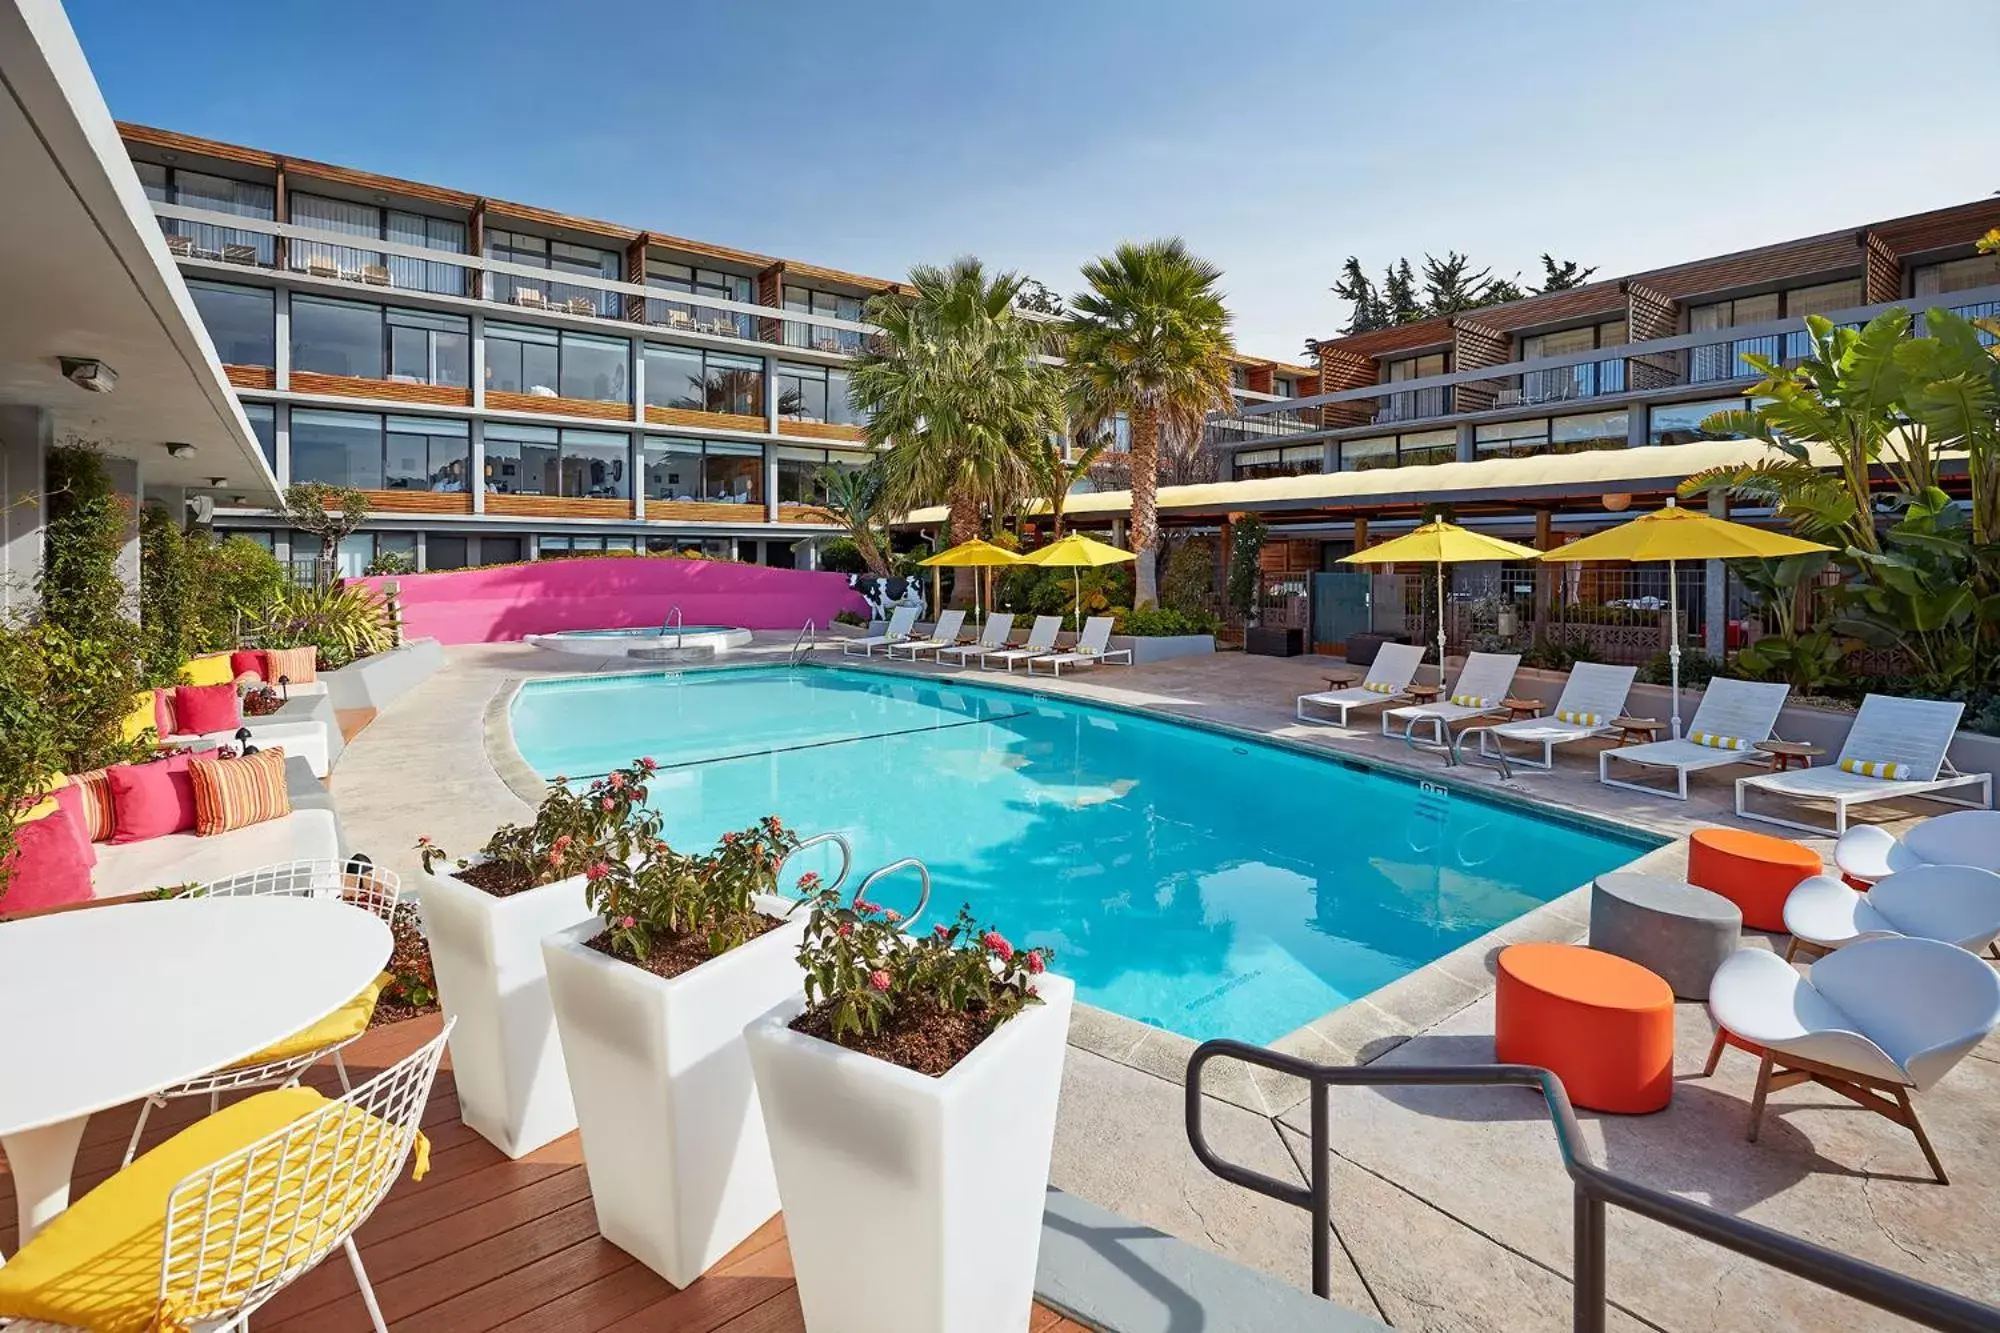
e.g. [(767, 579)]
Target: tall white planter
[(673, 1136), (505, 1058), (914, 1204)]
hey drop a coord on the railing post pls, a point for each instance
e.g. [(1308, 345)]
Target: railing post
[(1589, 1313), (1322, 1194)]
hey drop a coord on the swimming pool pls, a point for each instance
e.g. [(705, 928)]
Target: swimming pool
[(1194, 880)]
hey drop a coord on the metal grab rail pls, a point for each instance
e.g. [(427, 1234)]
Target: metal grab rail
[(1933, 1307), (907, 863), (820, 840), (803, 642), (1499, 755), (675, 623)]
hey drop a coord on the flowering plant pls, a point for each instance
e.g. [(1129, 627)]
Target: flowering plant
[(661, 895), (573, 829), (869, 975)]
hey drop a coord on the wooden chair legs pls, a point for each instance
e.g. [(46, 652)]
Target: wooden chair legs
[(1891, 1101), (1715, 1053)]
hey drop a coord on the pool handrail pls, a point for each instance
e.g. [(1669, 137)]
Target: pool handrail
[(676, 623), (906, 863)]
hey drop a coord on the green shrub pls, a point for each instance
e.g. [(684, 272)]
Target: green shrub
[(1160, 622), (1559, 651), (390, 563), (1034, 590), (1188, 583), (1245, 553), (344, 621), (234, 580), (167, 610), (1697, 669), (842, 556)]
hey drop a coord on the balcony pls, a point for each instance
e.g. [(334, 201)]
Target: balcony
[(1564, 384), (682, 317), (1222, 431), (847, 342), (1415, 405)]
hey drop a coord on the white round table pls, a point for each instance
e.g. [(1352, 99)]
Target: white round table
[(106, 1005)]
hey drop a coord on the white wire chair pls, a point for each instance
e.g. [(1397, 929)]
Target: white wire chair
[(238, 1231), (358, 883)]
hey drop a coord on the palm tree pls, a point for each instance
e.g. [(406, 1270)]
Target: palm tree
[(1056, 475), (853, 499), (956, 388), (1148, 338)]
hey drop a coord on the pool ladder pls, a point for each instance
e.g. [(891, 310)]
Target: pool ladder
[(1451, 747), (804, 643), (676, 624), (840, 841)]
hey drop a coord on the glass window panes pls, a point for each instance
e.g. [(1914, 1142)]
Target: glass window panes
[(673, 469), (216, 194), (593, 368), (675, 378), (1510, 439), (799, 475), (522, 359), (734, 384), (714, 471), (1958, 275), (1680, 423), (427, 454), (336, 337), (1297, 460), (523, 460), (444, 550), (805, 300), (241, 322), (264, 425), (1560, 343), (1822, 299), (339, 448), (802, 392), (1363, 455), (1419, 448), (596, 464), (670, 276), (429, 348), (1417, 367), (1587, 431), (513, 247), (500, 550)]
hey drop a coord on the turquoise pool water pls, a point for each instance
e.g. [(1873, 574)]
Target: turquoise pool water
[(1198, 882)]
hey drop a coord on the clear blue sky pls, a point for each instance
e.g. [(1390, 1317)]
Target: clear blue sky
[(1276, 139)]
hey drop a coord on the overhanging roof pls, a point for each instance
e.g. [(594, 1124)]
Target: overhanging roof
[(1542, 477)]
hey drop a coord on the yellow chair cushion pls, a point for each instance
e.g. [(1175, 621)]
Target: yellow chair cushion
[(343, 1024), (1875, 768), (1579, 719), (97, 1266), (1378, 687), (1469, 700), (140, 719), (1715, 742), (211, 669), (41, 809)]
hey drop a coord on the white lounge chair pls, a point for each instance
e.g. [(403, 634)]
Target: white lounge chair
[(1895, 748), (1873, 1022), (993, 636), (1732, 717), (1387, 681), (1041, 640), (1482, 683), (1868, 852), (900, 621), (1592, 696), (943, 635), (1092, 646), (1956, 904)]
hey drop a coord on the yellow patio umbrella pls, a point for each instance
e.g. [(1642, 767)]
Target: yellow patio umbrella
[(975, 554), (1440, 543), (1674, 534), (1077, 552)]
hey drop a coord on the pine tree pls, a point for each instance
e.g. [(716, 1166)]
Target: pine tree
[(1354, 286), (1399, 294), (1561, 277), (1451, 285)]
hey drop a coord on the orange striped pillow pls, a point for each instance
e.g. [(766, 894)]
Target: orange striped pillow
[(231, 794), (99, 823), (298, 665)]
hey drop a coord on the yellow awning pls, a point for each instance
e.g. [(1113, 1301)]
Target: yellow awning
[(1440, 543), (1674, 533)]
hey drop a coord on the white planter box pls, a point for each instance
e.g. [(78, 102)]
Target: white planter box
[(505, 1058), (673, 1138), (914, 1204)]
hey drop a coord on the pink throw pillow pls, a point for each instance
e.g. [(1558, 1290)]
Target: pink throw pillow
[(163, 713), (151, 800), (247, 662), (47, 868), (201, 709), (70, 797)]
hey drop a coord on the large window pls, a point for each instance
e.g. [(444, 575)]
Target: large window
[(1410, 449), (241, 322), (541, 460), (549, 364), (559, 257), (673, 277), (214, 194), (1957, 275), (1562, 435), (801, 471), (1415, 404), (815, 393), (1680, 423), (370, 222), (1724, 360), (354, 338), (807, 301), (696, 381), (264, 425), (712, 470), (374, 453), (1296, 461)]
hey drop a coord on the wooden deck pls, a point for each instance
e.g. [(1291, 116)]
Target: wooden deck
[(485, 1243)]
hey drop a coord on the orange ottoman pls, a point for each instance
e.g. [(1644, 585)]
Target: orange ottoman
[(1604, 1025), (1755, 871)]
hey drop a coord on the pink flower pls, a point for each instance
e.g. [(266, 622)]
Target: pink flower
[(997, 942), (845, 930), (879, 980), (941, 930), (561, 845), (729, 839), (809, 881), (1035, 963), (617, 780), (864, 906), (648, 765), (608, 803), (892, 916), (624, 923), (595, 871)]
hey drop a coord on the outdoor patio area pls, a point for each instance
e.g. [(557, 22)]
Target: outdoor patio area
[(1451, 1209)]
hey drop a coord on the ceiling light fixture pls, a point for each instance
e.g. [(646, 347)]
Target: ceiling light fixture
[(89, 373), (180, 451), (217, 483)]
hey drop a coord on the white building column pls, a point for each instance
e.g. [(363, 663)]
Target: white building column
[(281, 374), (477, 480), (635, 464), (26, 433)]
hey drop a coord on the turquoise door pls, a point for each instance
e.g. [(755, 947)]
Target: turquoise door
[(1339, 606)]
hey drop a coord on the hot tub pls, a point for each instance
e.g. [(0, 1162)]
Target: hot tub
[(694, 640)]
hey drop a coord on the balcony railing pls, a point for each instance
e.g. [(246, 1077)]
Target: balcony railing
[(1565, 383), (686, 318), (228, 245), (845, 341), (1415, 405), (1222, 431)]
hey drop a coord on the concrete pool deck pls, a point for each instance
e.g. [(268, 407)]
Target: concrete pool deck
[(1451, 1209)]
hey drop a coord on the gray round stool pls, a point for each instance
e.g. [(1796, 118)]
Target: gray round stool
[(1681, 932)]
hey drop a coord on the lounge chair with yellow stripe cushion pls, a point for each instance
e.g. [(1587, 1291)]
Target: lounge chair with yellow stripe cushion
[(1732, 717), (365, 887), (1593, 695), (215, 1221), (1482, 683), (1896, 748), (1387, 681)]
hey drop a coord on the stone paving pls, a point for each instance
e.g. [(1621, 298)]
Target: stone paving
[(1451, 1209)]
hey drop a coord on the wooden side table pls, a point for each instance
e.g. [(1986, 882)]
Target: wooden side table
[(1521, 708), (1423, 694), (1636, 730), (1341, 680), (1786, 753)]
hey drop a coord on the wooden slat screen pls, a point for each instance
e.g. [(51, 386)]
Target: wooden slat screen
[(557, 407), (394, 391)]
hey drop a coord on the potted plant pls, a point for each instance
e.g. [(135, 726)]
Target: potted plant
[(485, 921), (909, 1094), (651, 996)]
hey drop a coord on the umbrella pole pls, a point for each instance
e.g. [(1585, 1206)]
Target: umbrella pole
[(1674, 642), (1076, 582), (1440, 624)]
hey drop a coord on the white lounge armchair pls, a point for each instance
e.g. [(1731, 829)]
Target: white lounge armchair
[(1041, 640), (1955, 904), (1092, 646), (993, 636), (1895, 748), (1482, 683), (1593, 695), (1387, 682), (1873, 1022), (1732, 717), (1869, 852), (900, 621), (943, 635)]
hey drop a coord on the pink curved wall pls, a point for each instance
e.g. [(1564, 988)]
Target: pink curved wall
[(508, 601)]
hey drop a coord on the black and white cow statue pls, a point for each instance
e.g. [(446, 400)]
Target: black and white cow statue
[(885, 595)]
